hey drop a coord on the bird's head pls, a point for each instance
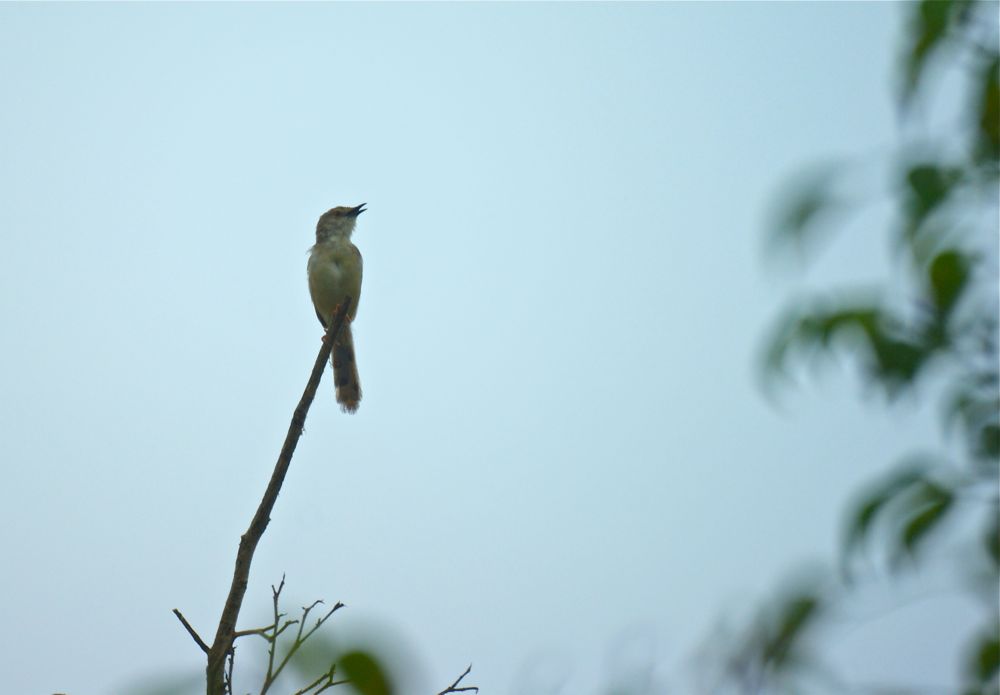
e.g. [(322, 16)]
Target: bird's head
[(338, 221)]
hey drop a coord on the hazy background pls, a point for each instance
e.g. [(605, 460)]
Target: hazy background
[(562, 448)]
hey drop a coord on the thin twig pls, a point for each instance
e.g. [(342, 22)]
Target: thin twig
[(328, 677), (453, 688), (315, 684), (226, 632), (273, 639), (332, 684), (194, 635), (271, 633), (300, 638)]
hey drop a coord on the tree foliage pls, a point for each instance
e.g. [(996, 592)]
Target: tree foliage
[(938, 335)]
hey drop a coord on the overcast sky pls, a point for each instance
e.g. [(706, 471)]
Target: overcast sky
[(562, 447)]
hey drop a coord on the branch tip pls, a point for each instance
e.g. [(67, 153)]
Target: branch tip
[(454, 687), (191, 631)]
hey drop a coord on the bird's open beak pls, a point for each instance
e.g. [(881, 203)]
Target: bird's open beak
[(358, 210)]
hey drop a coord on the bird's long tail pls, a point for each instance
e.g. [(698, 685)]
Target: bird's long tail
[(345, 371)]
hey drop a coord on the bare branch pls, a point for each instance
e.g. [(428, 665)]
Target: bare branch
[(454, 687), (226, 632), (272, 632), (194, 635), (273, 639), (262, 631)]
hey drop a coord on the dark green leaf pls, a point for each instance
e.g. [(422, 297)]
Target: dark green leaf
[(930, 28), (992, 540), (948, 275), (986, 658), (921, 524), (989, 111), (928, 186), (365, 673), (989, 441), (864, 516), (897, 362), (919, 511), (892, 359), (795, 616), (861, 519)]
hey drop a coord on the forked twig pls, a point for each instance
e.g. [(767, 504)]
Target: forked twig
[(454, 687), (301, 636)]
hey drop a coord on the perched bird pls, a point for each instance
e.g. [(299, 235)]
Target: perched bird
[(334, 271)]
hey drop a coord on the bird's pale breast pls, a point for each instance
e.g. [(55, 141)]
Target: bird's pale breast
[(334, 271)]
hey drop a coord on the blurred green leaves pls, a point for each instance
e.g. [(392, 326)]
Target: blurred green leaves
[(936, 25), (988, 147), (783, 633), (908, 504), (929, 185), (365, 673), (810, 208), (775, 648), (983, 664), (926, 189), (892, 353), (362, 669), (940, 26), (893, 344), (945, 317), (930, 27), (948, 276), (987, 658), (326, 663), (991, 541)]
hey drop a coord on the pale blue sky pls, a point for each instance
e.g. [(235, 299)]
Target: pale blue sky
[(562, 439)]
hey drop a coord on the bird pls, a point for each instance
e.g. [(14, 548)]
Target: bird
[(334, 273)]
